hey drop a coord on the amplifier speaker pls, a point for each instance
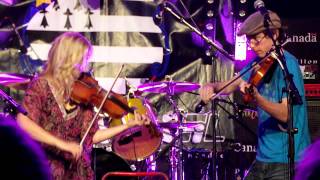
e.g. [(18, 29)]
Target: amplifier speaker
[(313, 108)]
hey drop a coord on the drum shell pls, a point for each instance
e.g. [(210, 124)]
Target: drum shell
[(137, 143)]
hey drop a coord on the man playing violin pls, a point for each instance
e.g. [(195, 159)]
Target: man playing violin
[(58, 125), (272, 104)]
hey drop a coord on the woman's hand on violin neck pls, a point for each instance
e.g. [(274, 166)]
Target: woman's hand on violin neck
[(139, 120), (72, 147)]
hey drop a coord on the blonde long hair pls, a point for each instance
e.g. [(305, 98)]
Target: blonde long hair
[(69, 55)]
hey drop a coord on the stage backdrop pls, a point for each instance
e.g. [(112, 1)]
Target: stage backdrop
[(125, 32)]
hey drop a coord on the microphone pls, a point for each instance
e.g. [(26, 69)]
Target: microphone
[(259, 6), (8, 100)]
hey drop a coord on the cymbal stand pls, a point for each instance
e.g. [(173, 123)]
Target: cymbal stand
[(11, 106), (176, 159)]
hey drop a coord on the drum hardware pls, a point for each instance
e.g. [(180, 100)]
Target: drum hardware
[(170, 88), (151, 163), (176, 158), (198, 133), (11, 106), (239, 112), (197, 164), (175, 125)]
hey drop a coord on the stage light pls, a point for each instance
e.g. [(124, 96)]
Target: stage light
[(242, 13), (210, 1), (240, 46), (208, 52), (209, 26), (241, 8), (210, 13)]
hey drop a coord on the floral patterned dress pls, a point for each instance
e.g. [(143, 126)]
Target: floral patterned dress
[(43, 108)]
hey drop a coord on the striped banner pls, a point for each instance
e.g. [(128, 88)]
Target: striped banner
[(121, 31)]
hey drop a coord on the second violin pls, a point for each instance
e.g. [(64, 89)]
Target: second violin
[(263, 73)]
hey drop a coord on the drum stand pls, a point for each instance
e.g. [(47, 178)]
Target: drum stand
[(176, 160), (11, 106)]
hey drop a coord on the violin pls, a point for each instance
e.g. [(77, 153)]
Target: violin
[(86, 90), (132, 144), (262, 74)]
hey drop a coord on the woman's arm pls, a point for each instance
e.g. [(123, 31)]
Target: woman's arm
[(104, 134), (43, 136)]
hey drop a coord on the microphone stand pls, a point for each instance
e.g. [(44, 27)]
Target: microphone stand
[(224, 53), (202, 35), (293, 97), (213, 126)]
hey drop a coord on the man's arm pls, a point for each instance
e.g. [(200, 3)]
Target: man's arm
[(276, 110)]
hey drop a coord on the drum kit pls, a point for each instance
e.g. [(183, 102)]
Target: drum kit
[(142, 143), (139, 143)]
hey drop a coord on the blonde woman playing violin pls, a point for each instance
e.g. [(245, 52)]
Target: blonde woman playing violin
[(54, 122)]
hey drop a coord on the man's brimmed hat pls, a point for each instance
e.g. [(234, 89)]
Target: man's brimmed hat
[(254, 24)]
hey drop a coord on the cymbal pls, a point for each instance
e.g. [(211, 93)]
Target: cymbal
[(14, 80), (168, 87)]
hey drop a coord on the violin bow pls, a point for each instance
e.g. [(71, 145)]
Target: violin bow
[(271, 53), (101, 105)]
